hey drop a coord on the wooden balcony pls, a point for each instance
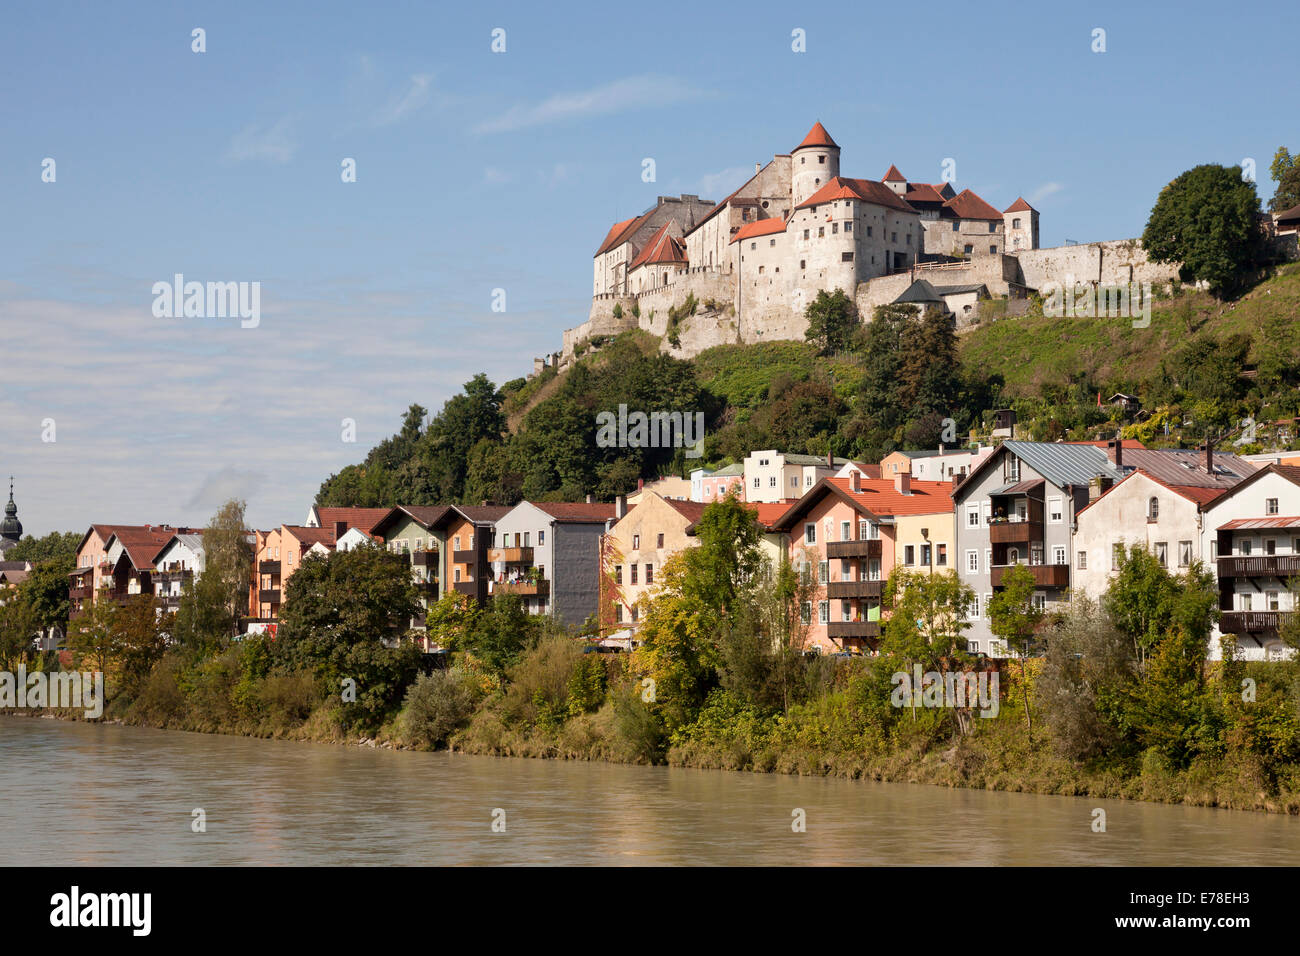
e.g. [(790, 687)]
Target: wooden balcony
[(268, 567), (1015, 532), (1252, 622), (467, 587), (1260, 566), (857, 548), (838, 630), (469, 557), (268, 596), (854, 589), (511, 555), (424, 559), (524, 588), (1045, 575)]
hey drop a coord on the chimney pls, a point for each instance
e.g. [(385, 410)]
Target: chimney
[(485, 502), (1209, 457), (1117, 452), (758, 168), (830, 461), (620, 506), (591, 499), (855, 480), (340, 529), (640, 483), (903, 482), (941, 448)]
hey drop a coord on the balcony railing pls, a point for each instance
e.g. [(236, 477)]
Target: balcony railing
[(525, 588), (1045, 575), (424, 558), (864, 629), (1260, 566), (469, 557), (511, 555), (467, 587), (857, 548), (268, 567), (1251, 622), (1015, 532), (268, 596), (854, 589)]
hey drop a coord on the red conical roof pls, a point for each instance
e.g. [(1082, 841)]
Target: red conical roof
[(817, 136), (1020, 206), (894, 176)]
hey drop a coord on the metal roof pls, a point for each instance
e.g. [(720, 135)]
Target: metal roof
[(1186, 466), (1262, 524), (1063, 464)]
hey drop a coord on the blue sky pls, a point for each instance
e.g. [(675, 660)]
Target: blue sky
[(478, 171)]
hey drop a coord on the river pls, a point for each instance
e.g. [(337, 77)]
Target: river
[(87, 794)]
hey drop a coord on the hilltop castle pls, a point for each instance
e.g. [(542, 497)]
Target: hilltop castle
[(755, 260)]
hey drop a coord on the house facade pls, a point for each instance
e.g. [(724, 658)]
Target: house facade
[(636, 546), (549, 554), (773, 476)]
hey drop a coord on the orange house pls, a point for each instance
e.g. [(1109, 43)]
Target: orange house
[(845, 536)]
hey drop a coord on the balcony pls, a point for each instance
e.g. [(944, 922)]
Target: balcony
[(1251, 622), (467, 587), (469, 557), (857, 548), (854, 589), (838, 630), (511, 555), (1015, 532), (1260, 566), (1045, 575), (268, 567), (80, 594), (524, 588), (424, 559), (268, 596)]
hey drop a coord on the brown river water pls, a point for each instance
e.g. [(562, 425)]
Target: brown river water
[(84, 794)]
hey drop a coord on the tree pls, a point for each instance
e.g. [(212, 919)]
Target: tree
[(56, 544), (1147, 603), (726, 562), (215, 601), (451, 619), (46, 592), (1015, 619), (832, 321), (501, 632), (928, 616), (1206, 220), (1285, 170), (18, 627)]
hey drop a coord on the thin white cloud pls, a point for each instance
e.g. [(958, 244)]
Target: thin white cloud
[(414, 97), (274, 143), (633, 92), (1044, 191), (724, 181)]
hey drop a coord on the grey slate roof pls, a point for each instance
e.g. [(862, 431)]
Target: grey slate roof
[(810, 460), (1186, 466), (1063, 464), (918, 292)]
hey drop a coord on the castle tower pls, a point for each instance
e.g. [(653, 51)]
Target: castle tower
[(895, 181), (814, 163), (1020, 226)]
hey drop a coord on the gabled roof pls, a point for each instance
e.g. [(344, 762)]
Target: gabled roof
[(364, 518), (918, 292), (141, 545), (692, 511), (106, 531), (425, 515), (795, 458), (1020, 206), (1060, 463), (764, 227), (1272, 523), (927, 193), (618, 233), (817, 136), (662, 248), (483, 514), (878, 497), (1197, 495), (1288, 215), (893, 175), (1290, 472), (727, 472), (1186, 466), (309, 536), (866, 190), (576, 512), (967, 205)]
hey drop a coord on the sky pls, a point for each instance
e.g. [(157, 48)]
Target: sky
[(479, 171)]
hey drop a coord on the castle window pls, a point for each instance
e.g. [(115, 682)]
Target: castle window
[(803, 263), (993, 227), (969, 248), (821, 159), (771, 242), (753, 245), (764, 203), (909, 239), (805, 233), (848, 227), (817, 182), (846, 257), (993, 250), (893, 237), (760, 270), (835, 227), (1015, 223), (955, 225), (868, 232), (802, 160)]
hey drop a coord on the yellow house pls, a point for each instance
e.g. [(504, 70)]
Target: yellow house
[(634, 551)]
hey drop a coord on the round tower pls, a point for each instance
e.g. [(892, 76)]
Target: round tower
[(814, 163), (11, 530)]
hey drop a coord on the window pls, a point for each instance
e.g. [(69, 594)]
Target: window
[(1013, 468), (756, 483), (456, 544), (1058, 556), (1040, 601), (618, 613), (771, 481), (528, 539), (972, 516), (1184, 553), (771, 242), (753, 245), (974, 612), (794, 481), (1214, 550), (863, 529), (954, 227), (1270, 506), (968, 248), (993, 250), (760, 269), (636, 542), (810, 532), (1015, 223), (973, 647), (1082, 561), (635, 612), (649, 574), (808, 480), (846, 529), (925, 555), (1270, 546), (803, 263), (821, 232), (823, 612), (455, 574), (846, 572), (1054, 513), (973, 562), (618, 574), (846, 611), (823, 571), (805, 612), (1245, 546), (869, 234), (1116, 556), (993, 227), (846, 257), (1245, 602), (805, 233), (835, 228), (941, 555), (632, 568), (909, 555), (1153, 509), (1162, 553), (848, 227), (1271, 601), (660, 542), (822, 160)]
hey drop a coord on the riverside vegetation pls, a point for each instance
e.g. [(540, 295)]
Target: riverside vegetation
[(1114, 699)]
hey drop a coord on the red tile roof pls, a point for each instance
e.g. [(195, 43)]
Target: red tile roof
[(143, 544), (1020, 206), (882, 497), (692, 511), (967, 205), (764, 227), (1273, 522), (817, 136), (364, 518), (893, 175), (662, 248), (576, 512), (615, 231), (924, 192), (769, 512), (311, 536), (866, 190)]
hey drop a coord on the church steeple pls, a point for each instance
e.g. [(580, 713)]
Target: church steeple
[(11, 530)]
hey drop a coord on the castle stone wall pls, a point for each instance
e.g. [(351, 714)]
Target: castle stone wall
[(1114, 262)]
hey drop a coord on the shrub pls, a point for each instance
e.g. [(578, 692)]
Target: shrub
[(436, 706)]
